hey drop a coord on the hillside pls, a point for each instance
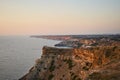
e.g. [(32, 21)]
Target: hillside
[(95, 63)]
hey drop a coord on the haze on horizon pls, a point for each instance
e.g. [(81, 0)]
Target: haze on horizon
[(28, 17)]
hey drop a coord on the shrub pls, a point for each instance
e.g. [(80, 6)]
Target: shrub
[(74, 77), (95, 76), (69, 61), (86, 68), (52, 67), (50, 77)]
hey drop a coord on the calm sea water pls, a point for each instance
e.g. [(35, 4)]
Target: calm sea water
[(18, 55)]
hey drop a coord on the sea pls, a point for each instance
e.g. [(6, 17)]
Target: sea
[(18, 55)]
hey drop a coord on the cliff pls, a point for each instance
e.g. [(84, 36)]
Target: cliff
[(95, 63)]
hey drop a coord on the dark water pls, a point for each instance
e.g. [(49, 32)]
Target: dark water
[(18, 55)]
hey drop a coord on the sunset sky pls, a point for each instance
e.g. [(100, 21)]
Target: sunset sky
[(28, 17)]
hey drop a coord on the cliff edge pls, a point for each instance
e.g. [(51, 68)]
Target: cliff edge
[(94, 63)]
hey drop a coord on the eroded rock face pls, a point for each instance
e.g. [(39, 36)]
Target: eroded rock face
[(75, 64)]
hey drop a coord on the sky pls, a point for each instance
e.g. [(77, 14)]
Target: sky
[(49, 17)]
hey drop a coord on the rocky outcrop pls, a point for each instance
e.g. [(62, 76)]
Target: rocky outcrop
[(95, 63)]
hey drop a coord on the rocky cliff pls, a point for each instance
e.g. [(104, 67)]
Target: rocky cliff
[(95, 63)]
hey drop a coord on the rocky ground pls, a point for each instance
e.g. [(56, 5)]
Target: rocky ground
[(93, 63), (88, 57)]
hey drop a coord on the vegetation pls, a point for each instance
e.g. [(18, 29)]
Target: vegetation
[(74, 77), (100, 76), (95, 76), (69, 62), (86, 68), (52, 66), (50, 77)]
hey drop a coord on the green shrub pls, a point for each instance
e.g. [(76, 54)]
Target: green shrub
[(69, 62), (50, 77), (86, 68), (74, 77), (52, 67), (95, 76)]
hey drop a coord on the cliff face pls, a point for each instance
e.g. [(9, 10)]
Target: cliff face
[(76, 64)]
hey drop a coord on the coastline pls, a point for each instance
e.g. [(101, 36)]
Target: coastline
[(86, 60), (56, 61)]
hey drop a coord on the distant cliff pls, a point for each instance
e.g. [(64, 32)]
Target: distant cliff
[(95, 63)]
